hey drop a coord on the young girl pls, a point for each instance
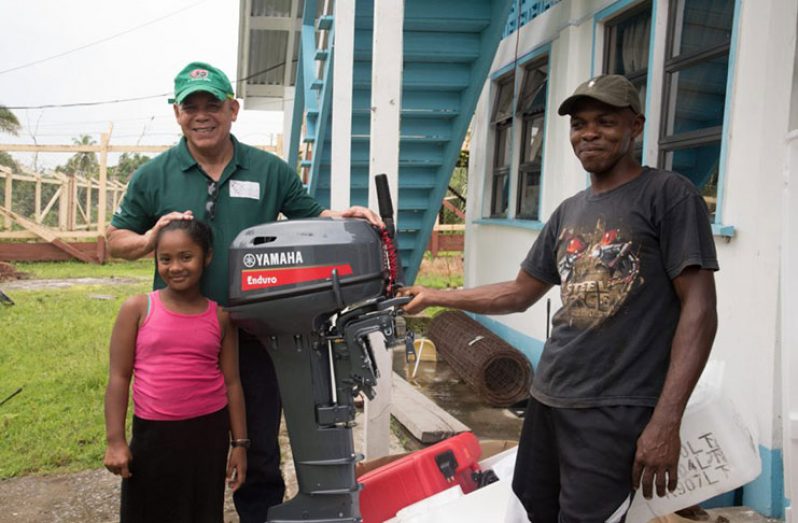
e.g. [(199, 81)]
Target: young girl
[(188, 401)]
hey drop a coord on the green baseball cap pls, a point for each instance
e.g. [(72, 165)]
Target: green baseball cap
[(612, 89), (199, 76)]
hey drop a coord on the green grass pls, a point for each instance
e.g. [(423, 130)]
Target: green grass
[(58, 270), (441, 271), (440, 281), (55, 347)]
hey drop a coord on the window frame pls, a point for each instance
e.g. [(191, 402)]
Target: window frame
[(610, 37), (611, 23), (516, 71), (522, 167), (655, 115), (669, 144), (501, 127)]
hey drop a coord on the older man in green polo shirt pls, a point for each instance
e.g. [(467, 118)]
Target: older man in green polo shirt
[(232, 186)]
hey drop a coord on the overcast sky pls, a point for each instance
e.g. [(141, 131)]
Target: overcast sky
[(112, 50)]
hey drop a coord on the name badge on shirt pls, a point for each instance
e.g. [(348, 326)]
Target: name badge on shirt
[(241, 189)]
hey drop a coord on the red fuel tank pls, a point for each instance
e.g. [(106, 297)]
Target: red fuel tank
[(390, 488)]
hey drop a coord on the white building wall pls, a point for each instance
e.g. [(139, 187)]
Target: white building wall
[(749, 335), (748, 283)]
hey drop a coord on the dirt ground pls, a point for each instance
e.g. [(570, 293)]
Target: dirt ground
[(92, 496), (9, 273)]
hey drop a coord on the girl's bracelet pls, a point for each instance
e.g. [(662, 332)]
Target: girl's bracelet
[(243, 443)]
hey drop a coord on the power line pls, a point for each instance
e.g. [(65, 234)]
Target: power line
[(85, 104), (104, 123), (102, 40)]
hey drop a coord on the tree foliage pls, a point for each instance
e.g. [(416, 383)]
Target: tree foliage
[(458, 182), (127, 165), (83, 163), (7, 161), (8, 121)]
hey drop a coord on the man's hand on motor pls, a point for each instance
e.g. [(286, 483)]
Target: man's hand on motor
[(657, 456), (357, 211), (422, 298)]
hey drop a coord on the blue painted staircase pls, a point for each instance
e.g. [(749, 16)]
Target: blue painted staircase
[(448, 49)]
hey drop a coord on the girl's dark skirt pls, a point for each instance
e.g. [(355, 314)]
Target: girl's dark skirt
[(178, 470)]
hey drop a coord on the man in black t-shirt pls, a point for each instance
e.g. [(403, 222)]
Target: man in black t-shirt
[(634, 257)]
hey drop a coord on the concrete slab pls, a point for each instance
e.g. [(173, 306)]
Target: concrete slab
[(722, 515)]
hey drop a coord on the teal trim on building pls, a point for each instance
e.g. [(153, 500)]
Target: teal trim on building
[(724, 231), (532, 225), (650, 74), (534, 54), (724, 141), (728, 499), (766, 493), (530, 347), (505, 69)]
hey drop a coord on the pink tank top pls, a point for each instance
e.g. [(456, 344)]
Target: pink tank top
[(176, 366)]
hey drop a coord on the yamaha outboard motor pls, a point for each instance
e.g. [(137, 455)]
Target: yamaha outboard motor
[(312, 291)]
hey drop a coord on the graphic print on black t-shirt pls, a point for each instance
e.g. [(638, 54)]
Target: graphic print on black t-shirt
[(598, 268)]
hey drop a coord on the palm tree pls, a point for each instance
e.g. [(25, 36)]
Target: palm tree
[(8, 122), (83, 163)]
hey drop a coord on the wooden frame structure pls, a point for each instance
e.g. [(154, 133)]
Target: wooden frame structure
[(81, 219)]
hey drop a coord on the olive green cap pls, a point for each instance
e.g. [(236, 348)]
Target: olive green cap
[(612, 89), (199, 76)]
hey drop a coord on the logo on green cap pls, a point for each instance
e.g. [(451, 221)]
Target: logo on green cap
[(199, 76)]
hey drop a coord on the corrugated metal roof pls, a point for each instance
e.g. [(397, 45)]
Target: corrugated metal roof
[(268, 46)]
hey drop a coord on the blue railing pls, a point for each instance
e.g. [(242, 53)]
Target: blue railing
[(311, 94), (524, 11)]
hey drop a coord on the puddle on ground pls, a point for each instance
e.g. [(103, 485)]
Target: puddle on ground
[(440, 383)]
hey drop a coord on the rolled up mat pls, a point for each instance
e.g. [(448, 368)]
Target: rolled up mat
[(499, 372)]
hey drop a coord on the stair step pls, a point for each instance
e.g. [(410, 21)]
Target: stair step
[(459, 24), (403, 164), (408, 202), (411, 128), (363, 138), (310, 128), (317, 85), (406, 237), (411, 194), (437, 15), (411, 152), (416, 76), (411, 178), (326, 22), (425, 46), (321, 55), (415, 103)]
